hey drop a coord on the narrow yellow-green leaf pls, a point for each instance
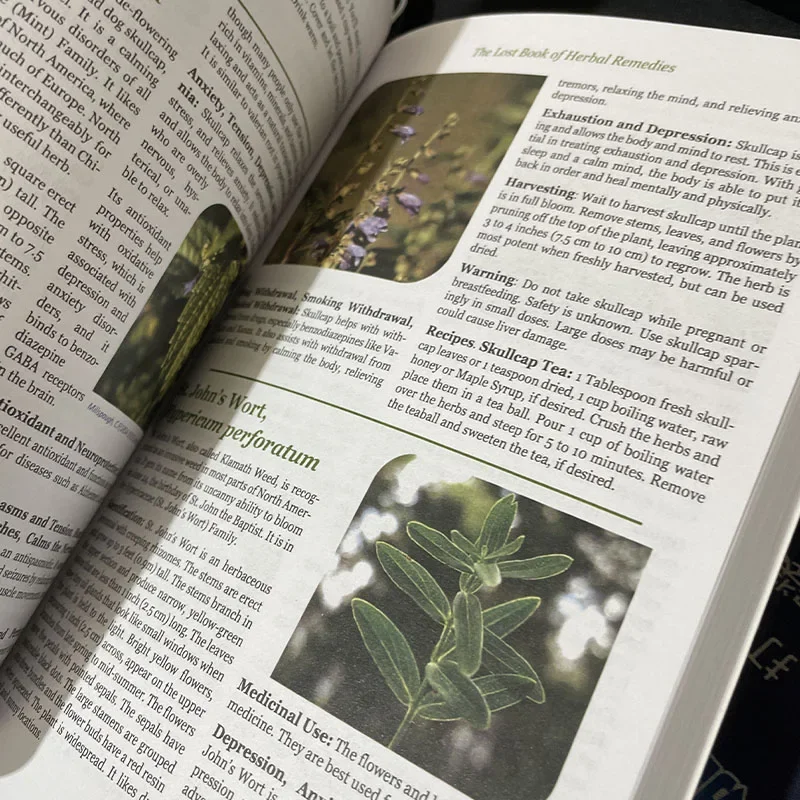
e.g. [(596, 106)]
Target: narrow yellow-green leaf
[(499, 691), (439, 546), (498, 523), (437, 711), (389, 650), (412, 578), (507, 549), (505, 690), (459, 692), (468, 623), (502, 659), (469, 583), (504, 618), (534, 569), (464, 543)]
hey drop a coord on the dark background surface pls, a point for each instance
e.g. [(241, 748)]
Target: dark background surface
[(777, 17), (757, 753)]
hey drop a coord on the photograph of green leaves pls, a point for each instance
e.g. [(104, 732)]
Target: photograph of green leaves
[(188, 296), (405, 178), (464, 627)]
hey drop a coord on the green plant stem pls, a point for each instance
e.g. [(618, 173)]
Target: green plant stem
[(443, 638), (312, 218), (408, 717), (378, 135), (401, 172), (416, 701), (392, 176)]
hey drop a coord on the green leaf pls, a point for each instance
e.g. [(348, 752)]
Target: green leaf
[(499, 691), (468, 623), (412, 578), (489, 574), (439, 546), (389, 650), (502, 659), (437, 711), (504, 690), (459, 692), (469, 583), (434, 709), (498, 523), (507, 549), (465, 544), (504, 618), (534, 569)]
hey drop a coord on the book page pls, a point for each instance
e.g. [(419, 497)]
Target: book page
[(443, 509), (147, 150)]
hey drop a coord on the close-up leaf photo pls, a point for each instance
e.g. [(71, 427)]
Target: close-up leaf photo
[(464, 627)]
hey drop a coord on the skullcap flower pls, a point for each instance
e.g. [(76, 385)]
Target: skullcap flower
[(352, 257), (410, 202), (372, 227), (403, 132)]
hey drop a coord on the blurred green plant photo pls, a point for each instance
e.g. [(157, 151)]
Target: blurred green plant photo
[(188, 296), (464, 626), (397, 191)]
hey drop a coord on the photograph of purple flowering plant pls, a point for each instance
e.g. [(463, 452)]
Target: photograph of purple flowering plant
[(397, 191)]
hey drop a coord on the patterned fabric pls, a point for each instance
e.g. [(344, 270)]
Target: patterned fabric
[(757, 753)]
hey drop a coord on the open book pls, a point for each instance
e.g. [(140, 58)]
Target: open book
[(480, 481)]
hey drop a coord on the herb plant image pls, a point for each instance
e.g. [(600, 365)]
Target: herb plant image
[(187, 297), (473, 639), (405, 178), (462, 627)]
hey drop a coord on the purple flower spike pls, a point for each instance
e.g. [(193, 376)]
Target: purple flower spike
[(382, 204), (413, 110), (423, 177), (403, 132), (352, 257), (372, 227), (189, 285), (410, 202), (477, 178)]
